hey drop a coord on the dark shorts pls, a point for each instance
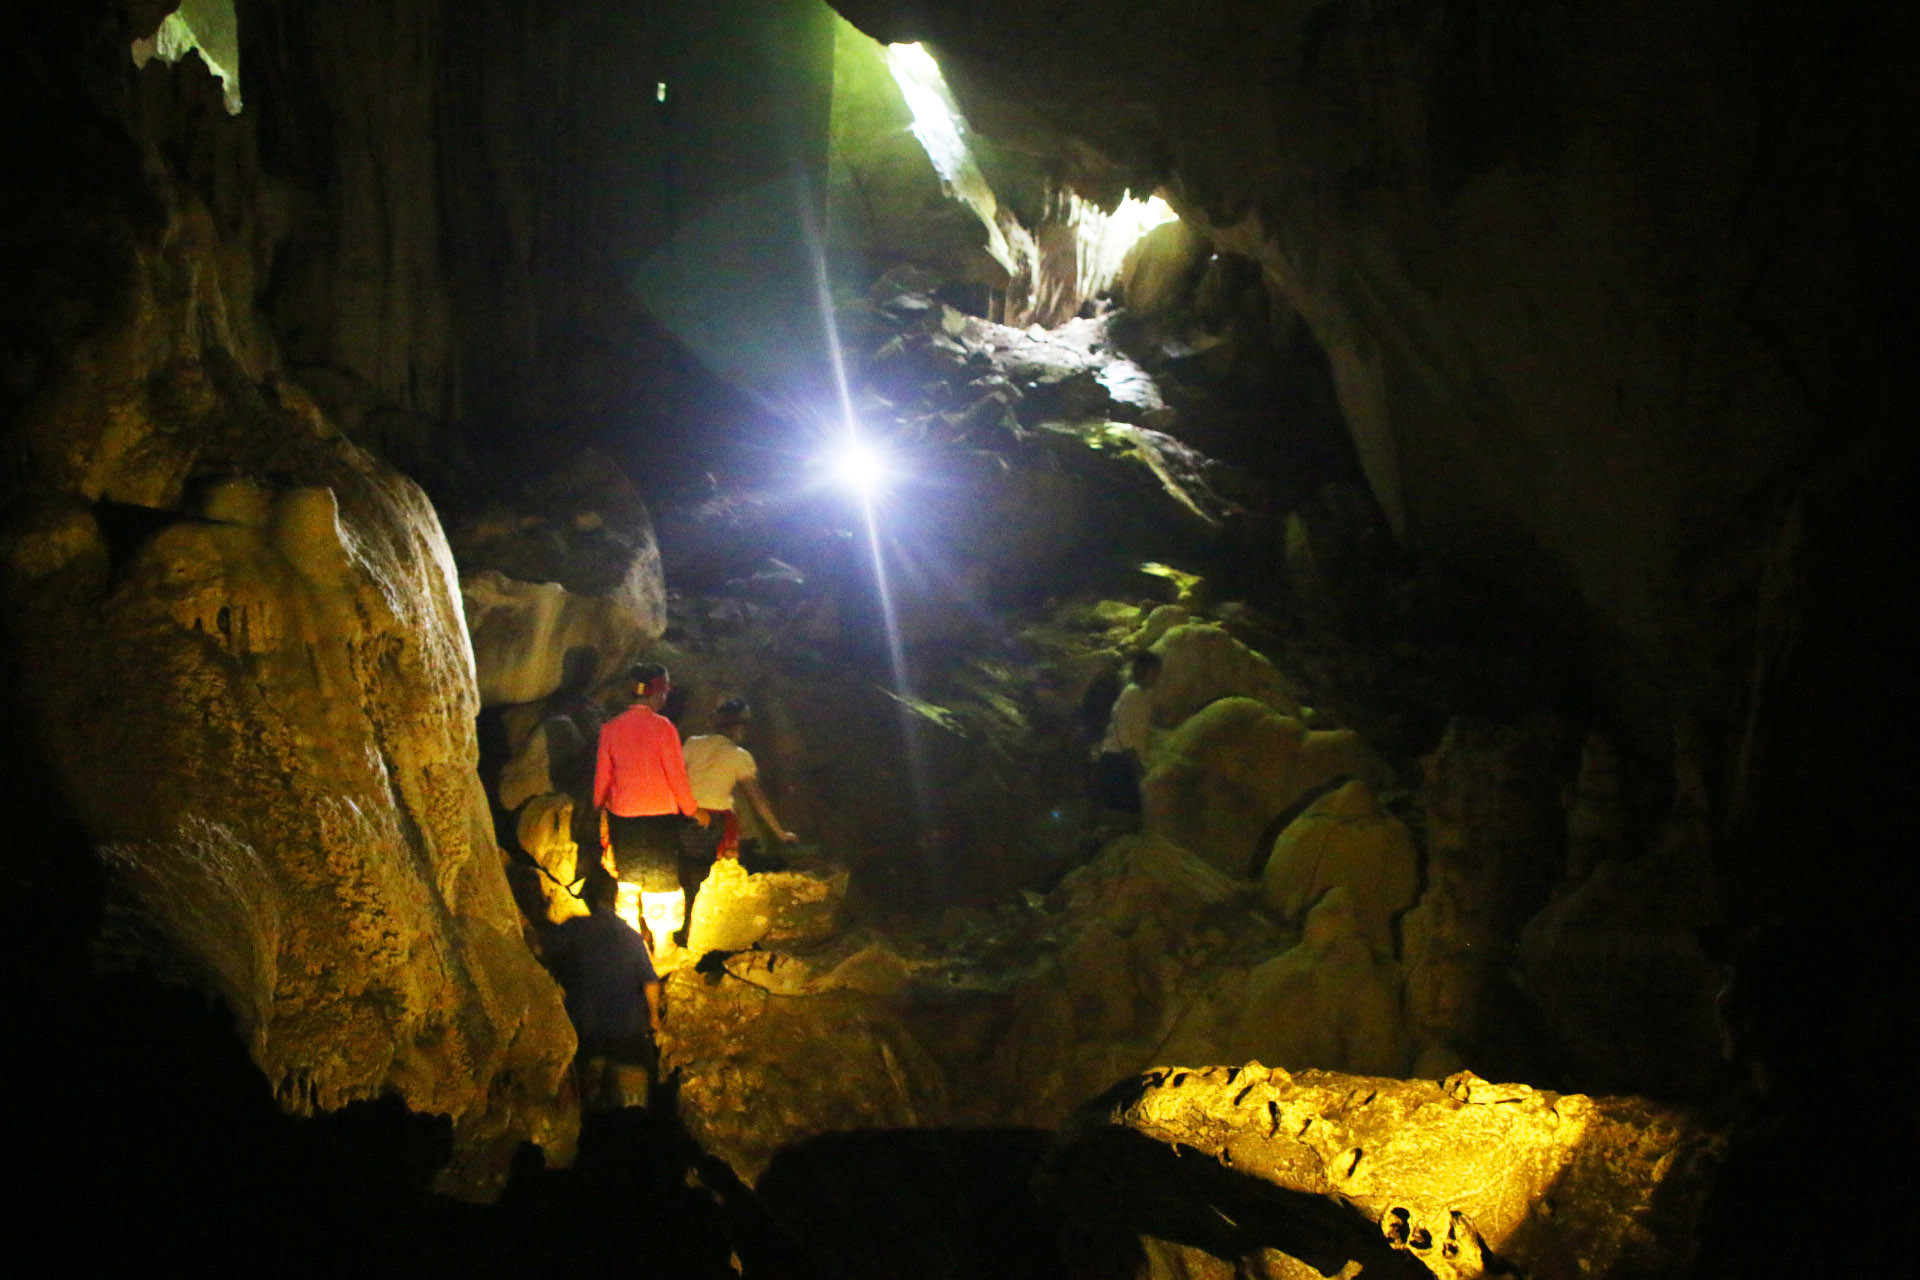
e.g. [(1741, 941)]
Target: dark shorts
[(647, 850)]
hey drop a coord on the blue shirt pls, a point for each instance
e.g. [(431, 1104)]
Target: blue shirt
[(602, 964)]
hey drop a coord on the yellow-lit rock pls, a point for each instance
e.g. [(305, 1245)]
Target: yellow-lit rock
[(1466, 1177), (736, 910), (1201, 663), (522, 632), (1223, 776), (254, 684), (1326, 1003), (1345, 839), (545, 830), (759, 1071)]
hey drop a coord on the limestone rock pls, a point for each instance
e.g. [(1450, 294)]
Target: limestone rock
[(1328, 1003), (1345, 839), (545, 831), (1459, 1179), (1201, 663), (552, 750), (282, 662), (737, 909), (1331, 1001), (1163, 619), (528, 772), (760, 1072), (1221, 778), (1493, 819), (1130, 934), (1617, 966), (562, 586), (523, 633)]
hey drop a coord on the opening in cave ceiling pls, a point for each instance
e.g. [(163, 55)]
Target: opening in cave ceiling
[(208, 28)]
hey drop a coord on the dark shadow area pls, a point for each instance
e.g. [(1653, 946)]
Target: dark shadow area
[(917, 1204), (1116, 1185)]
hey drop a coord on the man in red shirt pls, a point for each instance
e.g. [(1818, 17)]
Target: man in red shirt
[(640, 788)]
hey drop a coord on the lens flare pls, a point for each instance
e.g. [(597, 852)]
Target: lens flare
[(859, 466)]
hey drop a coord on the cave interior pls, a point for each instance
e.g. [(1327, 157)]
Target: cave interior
[(1497, 418)]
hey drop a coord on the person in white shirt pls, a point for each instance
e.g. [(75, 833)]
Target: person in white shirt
[(1117, 764), (716, 765)]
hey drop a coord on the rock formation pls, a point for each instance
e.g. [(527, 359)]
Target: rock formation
[(563, 586), (241, 642), (1296, 1175), (1219, 781), (1201, 664), (1345, 840)]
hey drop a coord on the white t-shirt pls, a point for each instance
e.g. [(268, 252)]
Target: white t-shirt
[(715, 765), (1131, 722)]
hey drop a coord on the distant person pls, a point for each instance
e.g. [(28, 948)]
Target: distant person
[(640, 788), (716, 765), (1118, 764), (613, 998)]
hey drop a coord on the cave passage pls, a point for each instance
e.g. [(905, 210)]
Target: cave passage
[(1295, 605)]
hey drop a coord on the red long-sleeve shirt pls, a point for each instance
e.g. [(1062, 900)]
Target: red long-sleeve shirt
[(641, 772)]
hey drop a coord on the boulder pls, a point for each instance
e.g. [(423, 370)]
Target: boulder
[(737, 909), (268, 616), (1134, 931), (760, 1072), (1327, 1003), (1201, 664), (1457, 1179), (550, 751), (1163, 619), (544, 828), (1345, 839), (562, 586), (1615, 964), (1330, 1002), (529, 637), (1221, 779)]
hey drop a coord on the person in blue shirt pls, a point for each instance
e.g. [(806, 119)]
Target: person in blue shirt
[(613, 997)]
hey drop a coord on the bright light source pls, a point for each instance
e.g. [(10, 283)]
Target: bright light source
[(858, 465), (660, 91)]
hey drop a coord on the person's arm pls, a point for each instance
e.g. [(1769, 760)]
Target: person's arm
[(751, 784)]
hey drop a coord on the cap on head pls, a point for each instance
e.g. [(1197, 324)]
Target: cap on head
[(732, 713), (650, 674)]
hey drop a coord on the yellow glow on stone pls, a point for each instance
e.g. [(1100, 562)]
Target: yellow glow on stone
[(662, 912)]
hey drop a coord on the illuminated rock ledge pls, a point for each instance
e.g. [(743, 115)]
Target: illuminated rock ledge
[(1317, 1173)]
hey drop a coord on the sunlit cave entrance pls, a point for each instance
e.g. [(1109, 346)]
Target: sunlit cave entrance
[(1190, 645)]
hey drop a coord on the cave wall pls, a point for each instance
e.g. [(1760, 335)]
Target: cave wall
[(235, 637), (494, 240), (1609, 295)]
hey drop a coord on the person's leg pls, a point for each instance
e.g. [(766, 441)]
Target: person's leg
[(590, 1071), (652, 854), (629, 1084)]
